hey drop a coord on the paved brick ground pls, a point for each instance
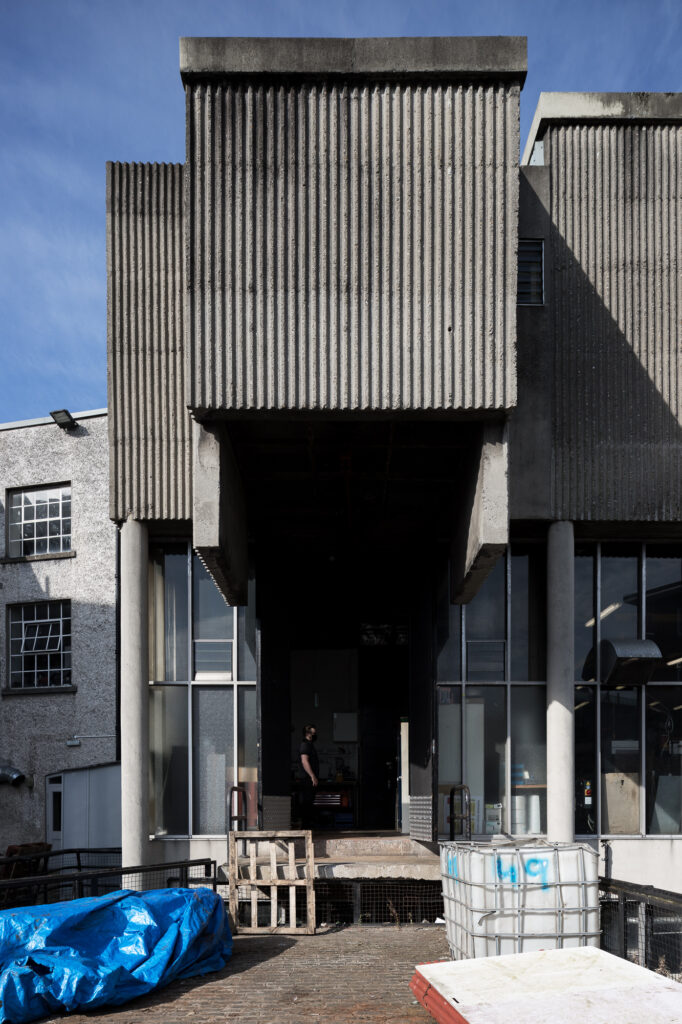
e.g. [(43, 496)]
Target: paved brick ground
[(356, 975)]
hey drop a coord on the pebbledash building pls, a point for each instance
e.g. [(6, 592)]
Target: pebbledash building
[(396, 448)]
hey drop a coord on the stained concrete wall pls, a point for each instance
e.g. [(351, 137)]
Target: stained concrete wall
[(151, 449), (615, 266), (34, 727), (353, 242)]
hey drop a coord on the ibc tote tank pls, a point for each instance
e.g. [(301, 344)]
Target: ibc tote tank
[(516, 897)]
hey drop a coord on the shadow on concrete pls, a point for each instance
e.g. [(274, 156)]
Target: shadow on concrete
[(594, 437)]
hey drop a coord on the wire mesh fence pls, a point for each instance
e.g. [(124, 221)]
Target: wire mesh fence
[(378, 901), (642, 924), (60, 885)]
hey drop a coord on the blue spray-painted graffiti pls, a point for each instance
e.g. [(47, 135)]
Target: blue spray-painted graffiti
[(452, 864), (534, 867)]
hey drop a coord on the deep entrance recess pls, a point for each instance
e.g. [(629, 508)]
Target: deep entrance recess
[(347, 520)]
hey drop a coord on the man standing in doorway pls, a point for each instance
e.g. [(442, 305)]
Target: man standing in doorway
[(311, 768)]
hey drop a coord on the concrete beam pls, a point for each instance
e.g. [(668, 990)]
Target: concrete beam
[(484, 533), (560, 685), (134, 694), (219, 512), (499, 57)]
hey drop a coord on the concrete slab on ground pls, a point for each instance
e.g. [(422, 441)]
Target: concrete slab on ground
[(354, 975)]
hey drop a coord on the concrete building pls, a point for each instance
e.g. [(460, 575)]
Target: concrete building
[(395, 448), (58, 627)]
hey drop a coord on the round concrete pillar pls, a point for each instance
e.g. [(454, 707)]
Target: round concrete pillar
[(560, 684), (134, 695)]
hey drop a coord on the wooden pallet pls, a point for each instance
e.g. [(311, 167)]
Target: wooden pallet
[(267, 862)]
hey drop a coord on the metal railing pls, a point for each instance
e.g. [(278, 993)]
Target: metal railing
[(57, 887), (464, 816), (642, 924), (38, 862)]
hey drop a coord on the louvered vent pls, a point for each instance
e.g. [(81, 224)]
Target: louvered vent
[(529, 289)]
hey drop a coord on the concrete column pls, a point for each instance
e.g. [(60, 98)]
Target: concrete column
[(134, 694), (560, 697)]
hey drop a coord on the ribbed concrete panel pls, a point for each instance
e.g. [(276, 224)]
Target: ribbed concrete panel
[(617, 260), (352, 247), (150, 438)]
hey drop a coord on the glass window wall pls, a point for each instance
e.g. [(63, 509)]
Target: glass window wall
[(202, 686), (528, 736), (664, 760), (586, 760), (628, 736), (169, 760)]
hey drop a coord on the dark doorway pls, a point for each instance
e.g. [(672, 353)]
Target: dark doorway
[(384, 697), (346, 519)]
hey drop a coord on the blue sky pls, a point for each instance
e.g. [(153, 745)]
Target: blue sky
[(86, 81)]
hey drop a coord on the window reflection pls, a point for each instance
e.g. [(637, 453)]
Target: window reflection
[(585, 760), (664, 610), (247, 752), (619, 612), (485, 628), (449, 751), (528, 760), (168, 760), (620, 760), (528, 609), (212, 756), (584, 631), (168, 614), (485, 725), (664, 759)]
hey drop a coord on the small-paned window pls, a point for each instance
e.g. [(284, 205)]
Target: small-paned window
[(39, 521), (40, 645), (530, 285)]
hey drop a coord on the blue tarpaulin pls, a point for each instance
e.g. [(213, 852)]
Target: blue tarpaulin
[(107, 949)]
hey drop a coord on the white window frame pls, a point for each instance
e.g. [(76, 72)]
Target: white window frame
[(22, 518)]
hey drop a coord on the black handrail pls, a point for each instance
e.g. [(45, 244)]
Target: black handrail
[(77, 851), (465, 816)]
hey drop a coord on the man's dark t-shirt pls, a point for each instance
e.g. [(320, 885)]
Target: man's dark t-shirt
[(309, 748)]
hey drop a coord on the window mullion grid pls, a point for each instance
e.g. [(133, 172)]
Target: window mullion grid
[(190, 678)]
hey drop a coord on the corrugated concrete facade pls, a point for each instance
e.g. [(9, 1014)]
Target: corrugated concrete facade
[(150, 436), (352, 244), (616, 211)]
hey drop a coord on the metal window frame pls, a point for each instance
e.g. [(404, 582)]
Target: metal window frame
[(641, 547), (218, 680), (63, 605), (463, 682), (11, 527)]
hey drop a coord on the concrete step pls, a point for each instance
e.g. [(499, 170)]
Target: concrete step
[(386, 846)]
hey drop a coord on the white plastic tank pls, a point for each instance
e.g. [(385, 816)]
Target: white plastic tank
[(517, 896)]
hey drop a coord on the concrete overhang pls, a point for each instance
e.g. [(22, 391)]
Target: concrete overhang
[(483, 533), (570, 107), (502, 58)]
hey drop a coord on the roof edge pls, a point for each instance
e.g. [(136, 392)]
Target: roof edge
[(46, 421), (601, 106), (425, 56)]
